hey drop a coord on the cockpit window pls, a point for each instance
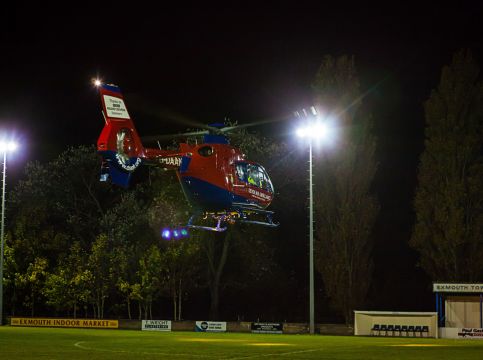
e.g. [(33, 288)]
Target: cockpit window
[(254, 175)]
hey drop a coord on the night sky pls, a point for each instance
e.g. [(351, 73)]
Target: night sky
[(205, 64)]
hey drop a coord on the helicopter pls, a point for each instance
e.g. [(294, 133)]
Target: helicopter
[(217, 180)]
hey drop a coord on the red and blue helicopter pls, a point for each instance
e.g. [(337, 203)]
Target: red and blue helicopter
[(216, 178)]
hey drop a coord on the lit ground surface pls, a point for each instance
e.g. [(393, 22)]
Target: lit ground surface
[(46, 343)]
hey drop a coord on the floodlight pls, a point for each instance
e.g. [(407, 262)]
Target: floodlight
[(301, 132), (319, 130), (7, 146), (12, 146), (316, 127)]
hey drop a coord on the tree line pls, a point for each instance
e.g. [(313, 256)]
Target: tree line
[(76, 245), (79, 247)]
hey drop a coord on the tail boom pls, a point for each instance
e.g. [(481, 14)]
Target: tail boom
[(119, 143)]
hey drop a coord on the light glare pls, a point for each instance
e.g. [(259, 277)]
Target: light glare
[(12, 146), (166, 234), (315, 131), (301, 132), (7, 146), (97, 82)]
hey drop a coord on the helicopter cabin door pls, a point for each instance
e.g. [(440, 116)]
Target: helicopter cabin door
[(251, 185)]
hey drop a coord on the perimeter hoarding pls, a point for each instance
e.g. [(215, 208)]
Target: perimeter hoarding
[(156, 325), (461, 333), (267, 328), (210, 326), (74, 323)]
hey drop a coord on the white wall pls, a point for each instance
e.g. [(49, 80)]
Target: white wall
[(462, 311), (365, 320)]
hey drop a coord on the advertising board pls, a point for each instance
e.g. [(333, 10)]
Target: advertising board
[(461, 333), (210, 326), (267, 328), (74, 323), (156, 325)]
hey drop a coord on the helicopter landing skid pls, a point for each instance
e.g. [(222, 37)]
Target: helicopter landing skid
[(269, 223), (217, 229), (244, 217), (220, 219), (239, 215)]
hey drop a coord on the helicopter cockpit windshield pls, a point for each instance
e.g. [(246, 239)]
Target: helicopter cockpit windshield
[(255, 175)]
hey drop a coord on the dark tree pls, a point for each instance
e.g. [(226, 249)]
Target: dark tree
[(222, 250), (180, 260), (449, 199), (345, 208), (55, 205)]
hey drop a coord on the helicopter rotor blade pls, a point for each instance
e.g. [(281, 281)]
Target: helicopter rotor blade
[(155, 138), (168, 115), (163, 113), (254, 123), (215, 130)]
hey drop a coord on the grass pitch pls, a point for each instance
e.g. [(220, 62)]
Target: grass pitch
[(55, 343)]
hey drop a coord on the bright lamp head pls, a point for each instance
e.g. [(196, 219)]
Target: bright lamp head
[(8, 146), (301, 132), (12, 146), (318, 130)]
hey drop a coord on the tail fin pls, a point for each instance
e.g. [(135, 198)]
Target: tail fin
[(119, 143)]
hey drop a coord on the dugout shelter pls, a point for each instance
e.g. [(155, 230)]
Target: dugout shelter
[(396, 323), (460, 309)]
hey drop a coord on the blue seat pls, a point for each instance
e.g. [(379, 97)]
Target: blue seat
[(391, 329), (375, 328), (404, 329), (411, 329), (384, 328), (419, 329), (425, 330)]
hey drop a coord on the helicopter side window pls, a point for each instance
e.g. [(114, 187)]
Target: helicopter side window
[(260, 178), (268, 184), (206, 151), (241, 172), (254, 175), (263, 181)]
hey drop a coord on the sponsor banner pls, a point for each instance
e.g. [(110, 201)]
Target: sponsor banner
[(115, 107), (75, 323), (461, 333), (458, 288), (156, 325), (210, 326), (267, 328)]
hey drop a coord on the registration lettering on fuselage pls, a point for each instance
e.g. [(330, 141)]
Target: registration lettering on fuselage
[(173, 161)]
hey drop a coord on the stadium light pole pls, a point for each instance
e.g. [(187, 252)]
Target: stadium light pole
[(4, 148), (314, 130)]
